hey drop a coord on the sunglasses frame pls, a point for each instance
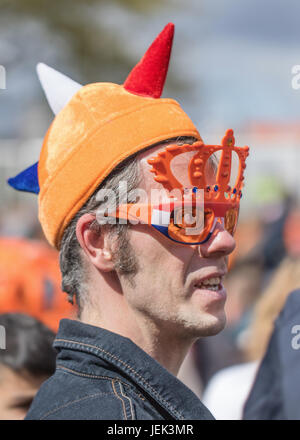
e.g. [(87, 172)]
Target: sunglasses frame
[(159, 216)]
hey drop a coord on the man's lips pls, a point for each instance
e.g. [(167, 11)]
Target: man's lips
[(210, 287), (212, 281)]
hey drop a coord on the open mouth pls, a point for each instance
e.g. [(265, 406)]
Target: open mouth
[(214, 283)]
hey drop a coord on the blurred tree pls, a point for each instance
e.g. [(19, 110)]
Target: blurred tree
[(91, 44)]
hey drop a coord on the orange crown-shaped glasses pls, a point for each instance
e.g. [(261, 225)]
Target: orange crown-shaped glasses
[(187, 223), (221, 192)]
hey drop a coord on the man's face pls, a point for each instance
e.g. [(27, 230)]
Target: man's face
[(16, 393), (168, 287)]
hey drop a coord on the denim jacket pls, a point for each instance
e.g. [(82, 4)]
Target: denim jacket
[(101, 375)]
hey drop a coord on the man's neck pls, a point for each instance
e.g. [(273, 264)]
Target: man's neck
[(159, 343)]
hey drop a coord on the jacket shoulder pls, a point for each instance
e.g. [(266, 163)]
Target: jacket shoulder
[(76, 396), (69, 396)]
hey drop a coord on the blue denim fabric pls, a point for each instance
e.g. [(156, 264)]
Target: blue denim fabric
[(101, 375)]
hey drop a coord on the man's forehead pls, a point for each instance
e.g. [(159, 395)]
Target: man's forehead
[(153, 151), (179, 166)]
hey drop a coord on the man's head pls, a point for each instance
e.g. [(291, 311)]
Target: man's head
[(25, 363)]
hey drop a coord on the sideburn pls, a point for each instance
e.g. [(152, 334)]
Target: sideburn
[(124, 258)]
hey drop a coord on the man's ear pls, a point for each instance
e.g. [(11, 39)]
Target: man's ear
[(95, 243)]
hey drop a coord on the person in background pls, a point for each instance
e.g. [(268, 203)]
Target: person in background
[(275, 392), (284, 280), (26, 361)]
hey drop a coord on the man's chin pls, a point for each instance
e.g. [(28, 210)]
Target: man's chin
[(217, 325), (209, 325)]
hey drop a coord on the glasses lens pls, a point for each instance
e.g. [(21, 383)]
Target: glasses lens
[(230, 220), (189, 217), (190, 224)]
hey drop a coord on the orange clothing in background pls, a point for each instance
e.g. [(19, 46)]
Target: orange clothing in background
[(30, 281)]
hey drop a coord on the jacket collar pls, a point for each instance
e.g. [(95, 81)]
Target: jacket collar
[(134, 363)]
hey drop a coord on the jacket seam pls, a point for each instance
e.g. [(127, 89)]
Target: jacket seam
[(117, 395), (130, 401), (74, 401), (126, 397), (92, 376), (129, 367)]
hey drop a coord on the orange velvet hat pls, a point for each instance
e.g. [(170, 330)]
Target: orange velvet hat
[(96, 127)]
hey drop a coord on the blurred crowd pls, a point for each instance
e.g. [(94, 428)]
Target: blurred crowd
[(31, 306)]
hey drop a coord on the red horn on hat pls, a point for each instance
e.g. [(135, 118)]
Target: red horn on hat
[(147, 78)]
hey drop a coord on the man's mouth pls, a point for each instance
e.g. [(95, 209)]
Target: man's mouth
[(213, 283)]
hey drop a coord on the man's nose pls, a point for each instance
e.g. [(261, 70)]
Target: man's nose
[(220, 243)]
